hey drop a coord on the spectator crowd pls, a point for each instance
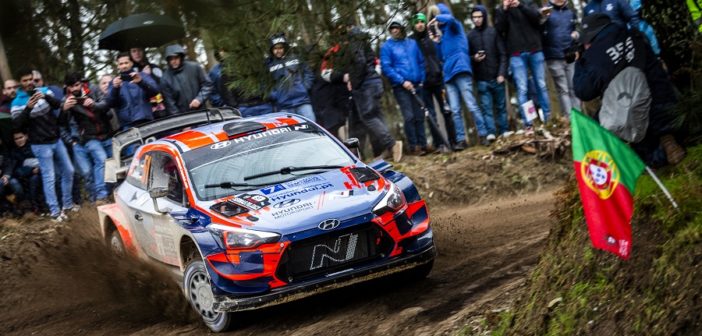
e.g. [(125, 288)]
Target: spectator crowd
[(62, 133)]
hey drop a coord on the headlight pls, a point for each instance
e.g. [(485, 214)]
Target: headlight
[(393, 201), (237, 238)]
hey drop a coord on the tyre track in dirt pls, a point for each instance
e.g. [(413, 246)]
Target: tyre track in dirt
[(485, 252)]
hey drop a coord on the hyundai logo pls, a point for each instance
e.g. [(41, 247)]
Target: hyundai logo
[(329, 224), (286, 203)]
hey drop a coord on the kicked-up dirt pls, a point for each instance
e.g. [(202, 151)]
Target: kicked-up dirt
[(61, 280)]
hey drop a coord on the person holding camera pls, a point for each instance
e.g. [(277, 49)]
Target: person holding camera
[(559, 35), (129, 93), (453, 46), (93, 139), (32, 110), (490, 68)]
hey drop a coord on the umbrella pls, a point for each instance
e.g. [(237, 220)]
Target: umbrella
[(140, 30)]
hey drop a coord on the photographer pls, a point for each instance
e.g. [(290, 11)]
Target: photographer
[(93, 142), (129, 93), (558, 35), (609, 49), (32, 110)]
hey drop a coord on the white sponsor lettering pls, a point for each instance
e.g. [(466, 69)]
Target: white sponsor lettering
[(275, 131)]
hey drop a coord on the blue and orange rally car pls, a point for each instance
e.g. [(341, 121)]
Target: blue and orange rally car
[(259, 211)]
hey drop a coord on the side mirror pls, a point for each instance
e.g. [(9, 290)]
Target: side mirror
[(156, 193), (352, 143)]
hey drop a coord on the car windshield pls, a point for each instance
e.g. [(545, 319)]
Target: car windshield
[(220, 169)]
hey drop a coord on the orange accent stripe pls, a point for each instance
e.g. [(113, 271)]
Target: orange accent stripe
[(192, 138)]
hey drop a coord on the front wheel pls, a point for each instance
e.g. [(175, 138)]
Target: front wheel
[(198, 290), (116, 244)]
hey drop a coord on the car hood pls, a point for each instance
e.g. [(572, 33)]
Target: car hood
[(304, 203)]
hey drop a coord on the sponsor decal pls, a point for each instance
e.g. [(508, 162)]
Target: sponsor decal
[(341, 194), (273, 189), (261, 135), (221, 145), (287, 203), (301, 191), (293, 209), (343, 249), (251, 201), (304, 181), (329, 224)]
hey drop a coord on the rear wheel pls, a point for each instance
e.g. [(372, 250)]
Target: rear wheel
[(116, 244), (198, 291)]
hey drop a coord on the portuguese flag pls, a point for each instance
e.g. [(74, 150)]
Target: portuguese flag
[(606, 169)]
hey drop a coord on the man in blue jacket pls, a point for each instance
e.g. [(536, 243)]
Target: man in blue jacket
[(558, 35), (488, 52), (453, 48), (293, 79), (129, 93), (618, 10), (403, 64)]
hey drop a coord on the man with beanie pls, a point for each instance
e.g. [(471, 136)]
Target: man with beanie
[(185, 84), (519, 25), (354, 66), (403, 64), (490, 67), (558, 35), (433, 82), (292, 79), (453, 48)]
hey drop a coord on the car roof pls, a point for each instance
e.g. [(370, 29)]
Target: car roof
[(212, 133)]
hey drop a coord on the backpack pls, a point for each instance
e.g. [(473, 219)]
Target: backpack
[(625, 105)]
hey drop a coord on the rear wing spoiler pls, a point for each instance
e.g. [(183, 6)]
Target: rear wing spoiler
[(125, 143)]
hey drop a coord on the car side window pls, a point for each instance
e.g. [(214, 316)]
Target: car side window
[(164, 174), (139, 170)]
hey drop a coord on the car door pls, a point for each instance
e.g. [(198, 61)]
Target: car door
[(164, 232), (135, 195)]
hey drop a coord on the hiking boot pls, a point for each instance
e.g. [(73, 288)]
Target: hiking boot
[(418, 151), (74, 208), (673, 151), (490, 137), (60, 218), (461, 145), (442, 150)]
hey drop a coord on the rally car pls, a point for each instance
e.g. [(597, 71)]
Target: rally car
[(253, 212)]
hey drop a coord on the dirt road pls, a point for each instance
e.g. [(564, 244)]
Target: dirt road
[(63, 283)]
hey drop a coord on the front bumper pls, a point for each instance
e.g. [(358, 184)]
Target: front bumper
[(334, 281)]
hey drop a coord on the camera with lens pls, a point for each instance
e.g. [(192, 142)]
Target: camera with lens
[(573, 52)]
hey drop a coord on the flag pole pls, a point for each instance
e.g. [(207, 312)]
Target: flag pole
[(660, 185)]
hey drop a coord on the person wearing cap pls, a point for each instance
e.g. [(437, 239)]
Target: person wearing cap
[(619, 11), (403, 64), (433, 81), (453, 46), (185, 84), (559, 34), (292, 79), (490, 68), (609, 49), (519, 22)]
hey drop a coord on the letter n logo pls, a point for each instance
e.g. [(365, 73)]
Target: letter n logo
[(343, 249)]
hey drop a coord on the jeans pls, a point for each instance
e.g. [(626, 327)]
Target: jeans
[(53, 158), (429, 93), (412, 115), (562, 74), (367, 103), (304, 110), (459, 86), (520, 66), (90, 163), (490, 91), (255, 110)]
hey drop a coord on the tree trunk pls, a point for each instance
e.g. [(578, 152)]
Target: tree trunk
[(75, 28), (4, 65)]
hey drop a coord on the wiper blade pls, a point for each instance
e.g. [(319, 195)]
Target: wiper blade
[(230, 185), (290, 170)]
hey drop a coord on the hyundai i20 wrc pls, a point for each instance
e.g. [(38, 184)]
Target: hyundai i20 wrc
[(253, 212)]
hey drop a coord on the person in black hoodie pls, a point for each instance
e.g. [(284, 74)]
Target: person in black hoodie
[(434, 81), (487, 50), (93, 141), (519, 23)]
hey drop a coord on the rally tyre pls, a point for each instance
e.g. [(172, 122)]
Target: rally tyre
[(116, 244), (420, 272), (198, 291)]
